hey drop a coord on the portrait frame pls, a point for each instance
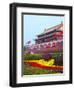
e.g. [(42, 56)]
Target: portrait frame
[(15, 9)]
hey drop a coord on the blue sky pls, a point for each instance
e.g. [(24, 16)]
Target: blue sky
[(35, 24)]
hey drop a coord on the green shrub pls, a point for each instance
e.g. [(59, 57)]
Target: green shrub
[(58, 59), (32, 56)]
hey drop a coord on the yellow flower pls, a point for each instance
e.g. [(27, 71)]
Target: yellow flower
[(42, 62), (46, 63)]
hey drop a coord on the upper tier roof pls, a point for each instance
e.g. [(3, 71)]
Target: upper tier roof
[(57, 27)]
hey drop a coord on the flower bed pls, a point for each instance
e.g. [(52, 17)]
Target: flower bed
[(43, 66)]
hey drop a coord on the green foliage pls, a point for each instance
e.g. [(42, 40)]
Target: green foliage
[(55, 55), (30, 70), (58, 59), (32, 57)]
